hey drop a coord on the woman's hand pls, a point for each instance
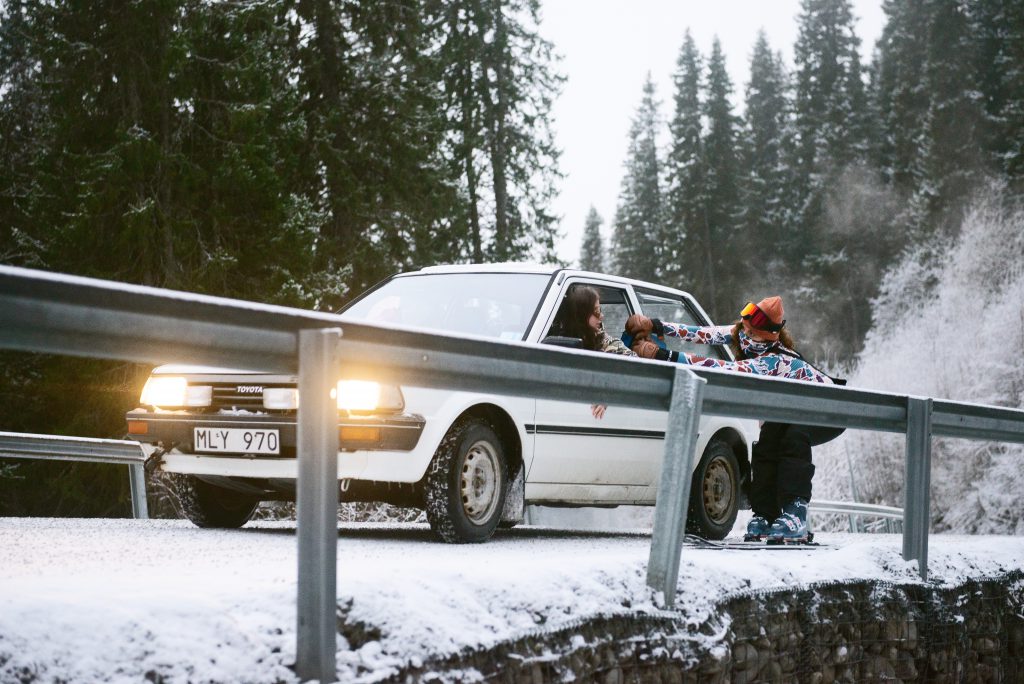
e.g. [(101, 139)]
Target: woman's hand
[(645, 349), (639, 326), (598, 410)]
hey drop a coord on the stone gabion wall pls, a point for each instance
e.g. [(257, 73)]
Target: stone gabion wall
[(865, 632)]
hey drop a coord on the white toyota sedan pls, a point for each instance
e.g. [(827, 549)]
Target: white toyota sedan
[(472, 461)]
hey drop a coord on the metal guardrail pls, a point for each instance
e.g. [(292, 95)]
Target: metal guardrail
[(86, 450), (876, 510), (60, 314), (888, 518)]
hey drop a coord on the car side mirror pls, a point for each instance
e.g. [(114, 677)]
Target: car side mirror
[(560, 341)]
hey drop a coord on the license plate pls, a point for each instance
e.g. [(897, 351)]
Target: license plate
[(236, 441)]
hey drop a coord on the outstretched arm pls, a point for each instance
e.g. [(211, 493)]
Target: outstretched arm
[(639, 326)]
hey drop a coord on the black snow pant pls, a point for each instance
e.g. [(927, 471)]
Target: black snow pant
[(781, 468)]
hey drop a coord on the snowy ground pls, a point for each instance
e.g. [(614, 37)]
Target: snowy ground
[(120, 600)]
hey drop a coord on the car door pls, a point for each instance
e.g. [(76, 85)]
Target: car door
[(581, 458)]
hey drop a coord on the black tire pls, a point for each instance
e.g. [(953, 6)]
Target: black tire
[(208, 505), (714, 493), (466, 483)]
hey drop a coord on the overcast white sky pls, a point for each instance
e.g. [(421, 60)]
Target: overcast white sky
[(609, 46)]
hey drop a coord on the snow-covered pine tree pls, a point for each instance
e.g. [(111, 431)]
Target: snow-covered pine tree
[(684, 244), (950, 162), (899, 95), (639, 218), (830, 106), (592, 256), (998, 30), (766, 173), (722, 209)]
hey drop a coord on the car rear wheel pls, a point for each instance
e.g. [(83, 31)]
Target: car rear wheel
[(466, 483), (714, 493), (208, 505)]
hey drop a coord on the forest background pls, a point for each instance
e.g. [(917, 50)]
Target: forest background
[(297, 151)]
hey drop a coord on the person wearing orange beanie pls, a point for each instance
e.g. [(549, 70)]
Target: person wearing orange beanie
[(781, 464)]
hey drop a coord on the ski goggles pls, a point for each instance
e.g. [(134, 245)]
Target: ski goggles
[(759, 319)]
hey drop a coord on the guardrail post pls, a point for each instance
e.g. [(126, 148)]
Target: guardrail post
[(674, 486), (137, 483), (917, 478), (317, 505)]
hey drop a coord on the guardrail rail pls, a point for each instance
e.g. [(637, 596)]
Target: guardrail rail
[(84, 450)]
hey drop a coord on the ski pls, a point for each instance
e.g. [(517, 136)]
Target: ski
[(701, 543)]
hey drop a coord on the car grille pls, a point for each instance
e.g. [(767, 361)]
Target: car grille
[(239, 396)]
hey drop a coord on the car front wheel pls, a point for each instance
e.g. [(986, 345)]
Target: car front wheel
[(466, 483), (208, 505), (714, 493)]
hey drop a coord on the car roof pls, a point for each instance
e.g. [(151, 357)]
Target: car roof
[(543, 269), (510, 267)]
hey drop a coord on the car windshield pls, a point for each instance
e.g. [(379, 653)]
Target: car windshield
[(499, 305)]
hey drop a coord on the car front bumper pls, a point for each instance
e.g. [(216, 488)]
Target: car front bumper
[(175, 430)]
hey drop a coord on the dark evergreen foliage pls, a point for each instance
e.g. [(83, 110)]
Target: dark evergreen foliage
[(830, 108), (500, 84), (685, 241), (726, 268), (766, 144), (900, 96), (950, 161)]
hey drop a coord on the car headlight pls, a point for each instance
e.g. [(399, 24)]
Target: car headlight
[(281, 398), (166, 391), (364, 395), (172, 392)]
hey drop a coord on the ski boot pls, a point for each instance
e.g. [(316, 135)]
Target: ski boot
[(757, 529), (791, 526)]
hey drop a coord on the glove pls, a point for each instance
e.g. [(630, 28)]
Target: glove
[(639, 326), (649, 350), (646, 349)]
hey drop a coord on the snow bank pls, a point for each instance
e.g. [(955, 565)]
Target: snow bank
[(120, 600)]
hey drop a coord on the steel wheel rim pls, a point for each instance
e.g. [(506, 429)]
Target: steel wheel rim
[(718, 490), (479, 482)]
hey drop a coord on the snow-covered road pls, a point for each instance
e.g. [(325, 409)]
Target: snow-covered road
[(113, 600)]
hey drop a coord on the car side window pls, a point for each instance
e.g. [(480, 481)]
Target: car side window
[(614, 308), (674, 309)]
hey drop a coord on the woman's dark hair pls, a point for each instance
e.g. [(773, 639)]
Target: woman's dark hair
[(574, 313), (784, 337)]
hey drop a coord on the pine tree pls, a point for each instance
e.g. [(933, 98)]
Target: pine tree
[(998, 30), (900, 97), (722, 208), (766, 150), (950, 161), (683, 243), (639, 218), (500, 85), (592, 256), (830, 106), (380, 180)]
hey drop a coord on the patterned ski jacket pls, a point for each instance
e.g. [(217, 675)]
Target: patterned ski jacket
[(762, 358), (613, 345)]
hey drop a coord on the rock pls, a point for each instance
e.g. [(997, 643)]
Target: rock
[(613, 676), (745, 657)]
